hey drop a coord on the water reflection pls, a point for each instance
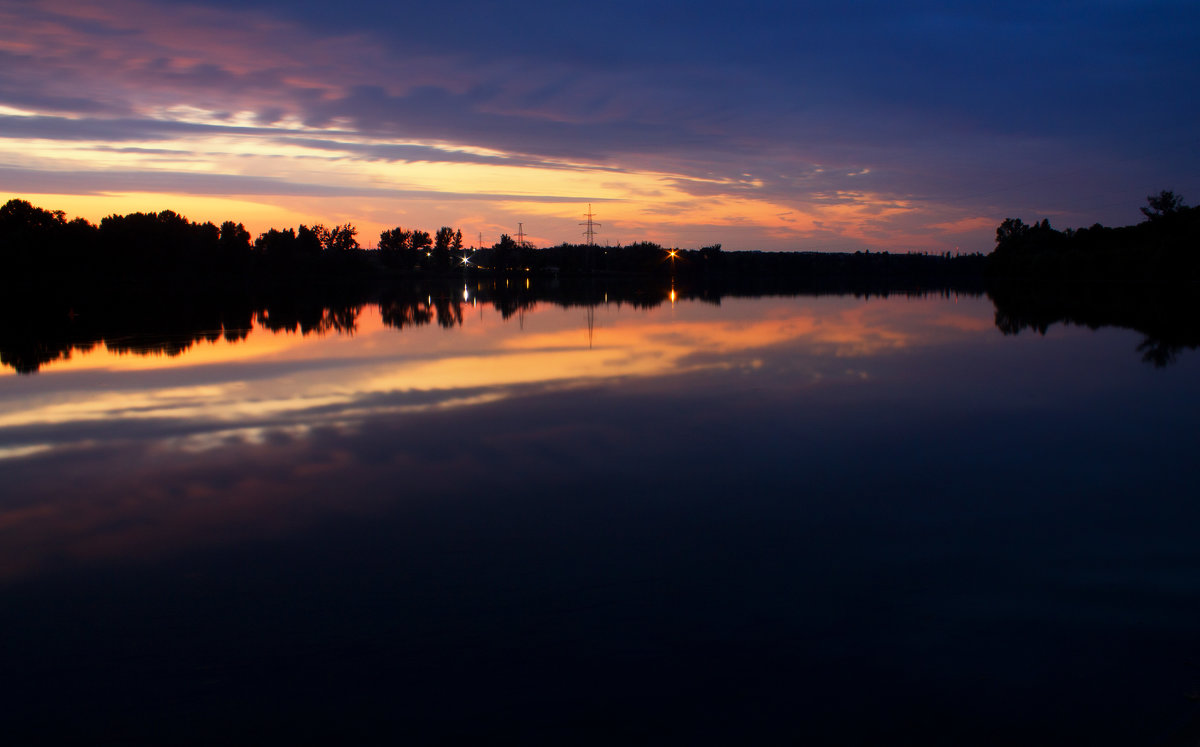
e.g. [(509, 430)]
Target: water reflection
[(271, 390), (54, 332), (421, 516), (263, 372), (1169, 319)]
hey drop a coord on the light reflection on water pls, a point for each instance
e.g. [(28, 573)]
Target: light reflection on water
[(268, 390), (267, 375), (825, 518)]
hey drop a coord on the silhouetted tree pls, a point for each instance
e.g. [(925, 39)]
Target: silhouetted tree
[(420, 244), (1163, 204), (235, 244), (276, 244), (34, 240), (504, 252), (395, 244), (21, 223), (394, 239), (157, 242), (310, 241), (1011, 232), (441, 248), (234, 236), (340, 238), (1160, 249)]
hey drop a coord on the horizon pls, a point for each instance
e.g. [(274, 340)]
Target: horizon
[(906, 127), (370, 243)]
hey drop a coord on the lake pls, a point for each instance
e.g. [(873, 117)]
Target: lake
[(821, 519)]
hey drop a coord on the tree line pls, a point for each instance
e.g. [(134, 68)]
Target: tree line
[(38, 244), (1165, 247)]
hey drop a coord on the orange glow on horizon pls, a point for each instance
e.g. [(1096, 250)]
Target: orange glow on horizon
[(257, 216), (328, 172)]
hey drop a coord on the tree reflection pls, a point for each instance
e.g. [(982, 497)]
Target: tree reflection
[(1166, 316), (309, 318), (40, 330), (418, 304)]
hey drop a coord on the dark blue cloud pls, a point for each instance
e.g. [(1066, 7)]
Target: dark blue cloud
[(17, 181), (433, 112), (108, 129), (22, 85), (410, 153), (913, 87)]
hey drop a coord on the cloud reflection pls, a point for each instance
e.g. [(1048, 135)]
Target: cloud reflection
[(280, 376), (265, 435)]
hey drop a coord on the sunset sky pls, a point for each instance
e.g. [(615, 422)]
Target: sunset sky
[(759, 125)]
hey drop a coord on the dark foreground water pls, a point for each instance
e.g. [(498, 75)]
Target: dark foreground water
[(780, 520)]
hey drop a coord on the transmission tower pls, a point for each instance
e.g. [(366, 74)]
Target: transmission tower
[(590, 233), (520, 234)]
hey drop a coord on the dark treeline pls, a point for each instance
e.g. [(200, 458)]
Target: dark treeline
[(1165, 248), (650, 259), (41, 247)]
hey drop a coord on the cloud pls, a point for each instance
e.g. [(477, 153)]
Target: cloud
[(412, 152), (1071, 110), (477, 117), (192, 183), (109, 130)]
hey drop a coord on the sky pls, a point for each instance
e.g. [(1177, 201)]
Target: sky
[(901, 126)]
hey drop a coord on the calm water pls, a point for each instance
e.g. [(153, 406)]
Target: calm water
[(806, 520)]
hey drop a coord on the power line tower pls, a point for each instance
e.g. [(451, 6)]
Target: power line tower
[(590, 233), (520, 234)]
